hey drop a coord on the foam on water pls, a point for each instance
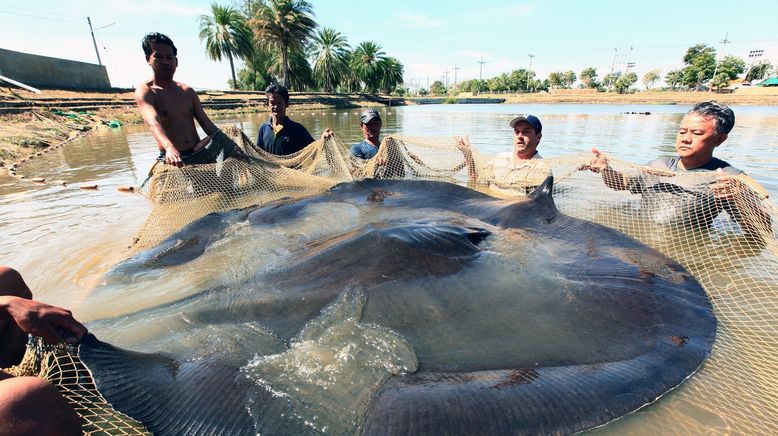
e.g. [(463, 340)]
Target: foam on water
[(331, 369)]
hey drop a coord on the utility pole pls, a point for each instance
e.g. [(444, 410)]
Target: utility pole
[(529, 73), (615, 54), (446, 78), (753, 54), (480, 73), (716, 69), (630, 64), (455, 74), (99, 62)]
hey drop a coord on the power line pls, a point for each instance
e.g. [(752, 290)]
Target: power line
[(61, 20), (39, 11)]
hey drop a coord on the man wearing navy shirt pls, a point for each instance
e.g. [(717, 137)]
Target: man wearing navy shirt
[(280, 135)]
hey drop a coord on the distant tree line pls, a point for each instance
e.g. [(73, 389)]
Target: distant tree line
[(700, 68), (280, 42)]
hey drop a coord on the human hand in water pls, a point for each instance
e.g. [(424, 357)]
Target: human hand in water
[(327, 134), (52, 323)]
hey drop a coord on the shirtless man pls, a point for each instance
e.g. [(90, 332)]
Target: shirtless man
[(30, 405), (168, 107)]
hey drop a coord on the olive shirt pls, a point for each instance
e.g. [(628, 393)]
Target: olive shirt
[(290, 138)]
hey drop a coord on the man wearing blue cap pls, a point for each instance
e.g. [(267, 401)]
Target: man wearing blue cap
[(370, 124), (527, 132)]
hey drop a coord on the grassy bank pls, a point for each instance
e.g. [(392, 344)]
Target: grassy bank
[(743, 96)]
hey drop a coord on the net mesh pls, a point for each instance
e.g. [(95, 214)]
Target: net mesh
[(720, 228)]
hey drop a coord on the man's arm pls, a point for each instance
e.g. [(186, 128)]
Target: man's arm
[(199, 113), (145, 101), (51, 323), (467, 153), (742, 204), (612, 178)]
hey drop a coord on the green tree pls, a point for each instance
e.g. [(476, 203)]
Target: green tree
[(700, 63), (518, 80), (625, 81), (589, 78), (674, 78), (555, 79), (568, 78), (366, 65), (255, 74), (758, 71), (298, 70), (330, 52), (609, 80), (284, 25), (391, 74), (437, 88), (226, 35), (498, 83), (651, 77), (729, 68)]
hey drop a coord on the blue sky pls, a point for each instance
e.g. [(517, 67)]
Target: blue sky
[(428, 37)]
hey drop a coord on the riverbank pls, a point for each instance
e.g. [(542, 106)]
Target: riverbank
[(743, 96)]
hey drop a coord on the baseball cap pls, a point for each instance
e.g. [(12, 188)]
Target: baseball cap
[(369, 114), (531, 119)]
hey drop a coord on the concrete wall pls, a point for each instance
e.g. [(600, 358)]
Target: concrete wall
[(46, 72)]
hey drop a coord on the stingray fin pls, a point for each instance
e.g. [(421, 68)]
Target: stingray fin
[(167, 396), (543, 198)]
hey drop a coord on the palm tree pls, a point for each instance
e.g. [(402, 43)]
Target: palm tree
[(330, 53), (391, 74), (226, 34), (286, 25), (300, 75), (365, 64)]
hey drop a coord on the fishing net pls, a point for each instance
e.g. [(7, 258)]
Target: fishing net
[(721, 229)]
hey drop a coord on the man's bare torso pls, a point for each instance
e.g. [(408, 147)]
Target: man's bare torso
[(175, 107)]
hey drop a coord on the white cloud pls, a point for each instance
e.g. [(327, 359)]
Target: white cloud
[(520, 10), (472, 54), (419, 20)]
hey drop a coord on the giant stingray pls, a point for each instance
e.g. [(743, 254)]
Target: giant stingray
[(523, 319)]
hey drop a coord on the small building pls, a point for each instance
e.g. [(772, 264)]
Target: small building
[(52, 73), (773, 81)]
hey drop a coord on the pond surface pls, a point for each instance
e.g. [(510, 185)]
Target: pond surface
[(63, 239)]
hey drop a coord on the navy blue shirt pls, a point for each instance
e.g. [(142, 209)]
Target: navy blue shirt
[(364, 150), (291, 139)]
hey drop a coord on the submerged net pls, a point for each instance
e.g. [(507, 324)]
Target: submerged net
[(722, 231)]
